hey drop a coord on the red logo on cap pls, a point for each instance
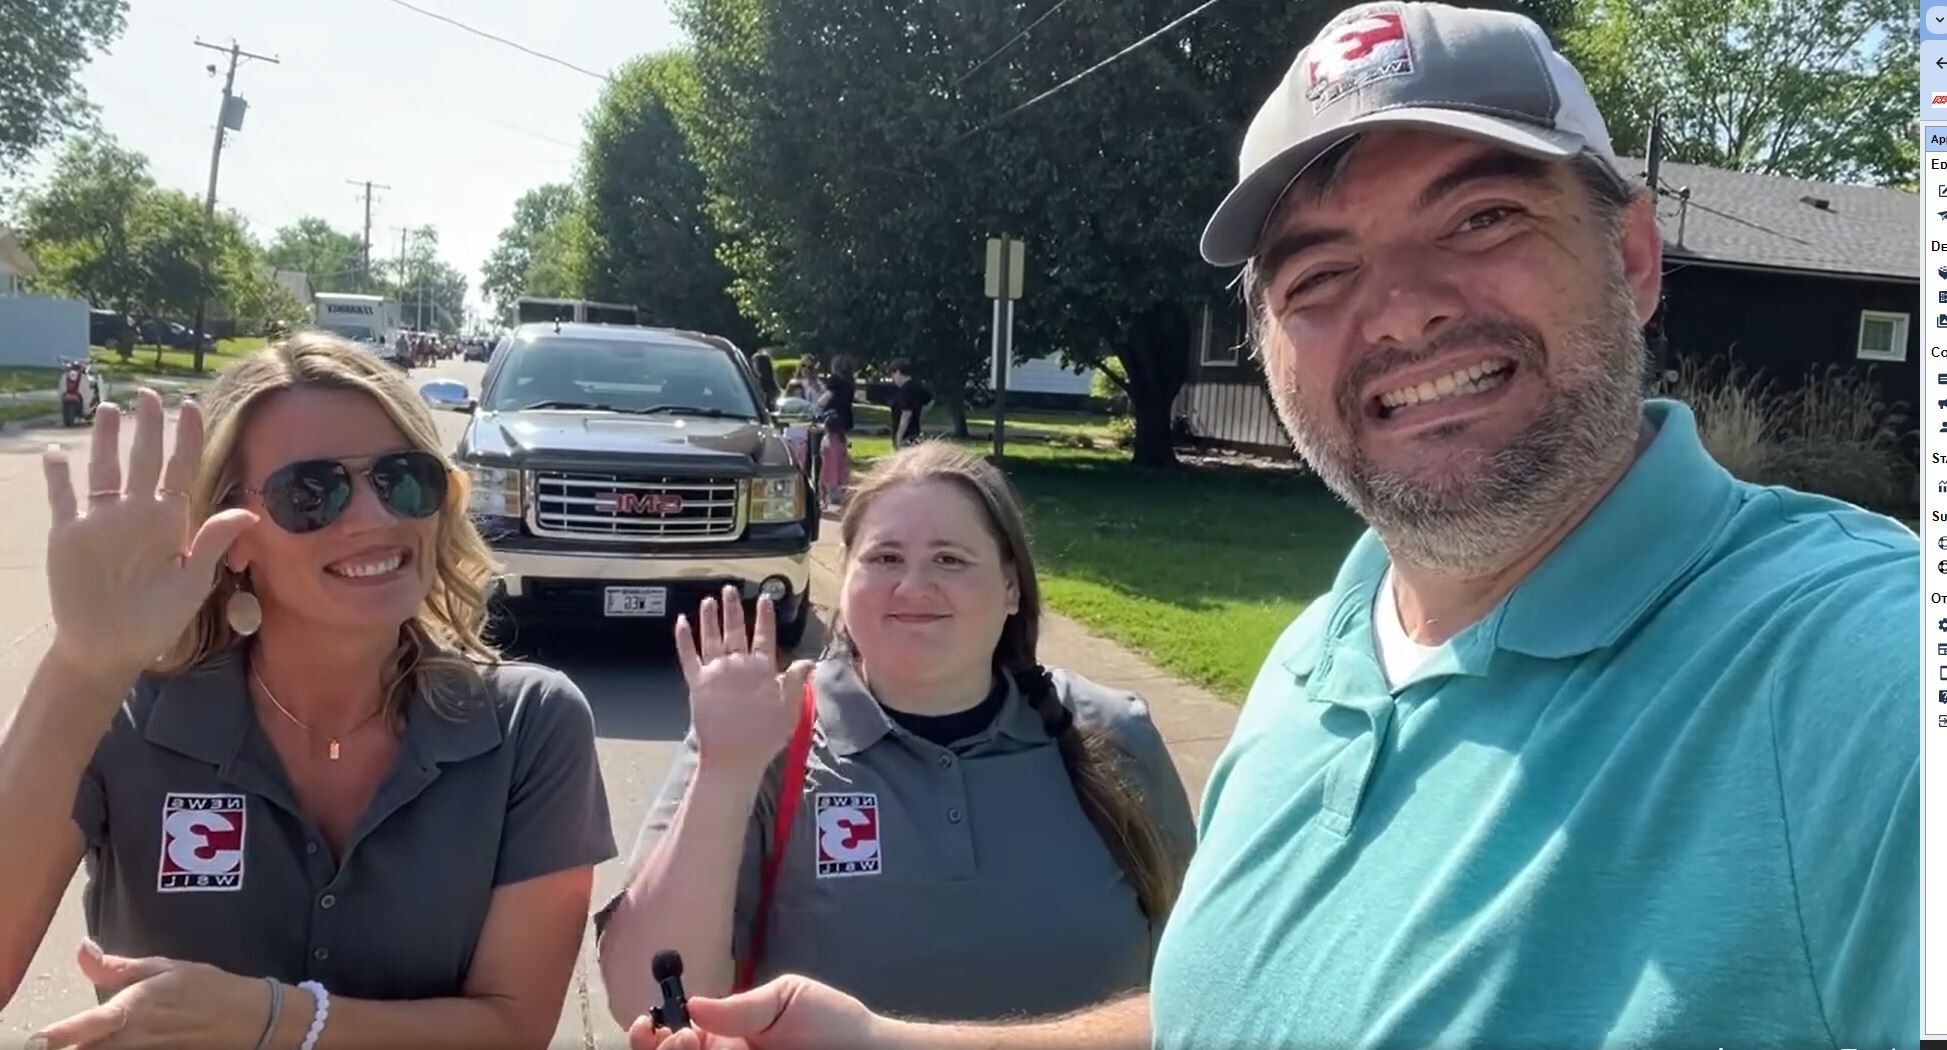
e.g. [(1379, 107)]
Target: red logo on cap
[(1366, 46)]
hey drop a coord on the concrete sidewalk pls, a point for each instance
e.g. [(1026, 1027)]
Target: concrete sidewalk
[(1195, 724)]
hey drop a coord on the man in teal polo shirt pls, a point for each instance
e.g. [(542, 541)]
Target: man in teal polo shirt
[(1590, 744)]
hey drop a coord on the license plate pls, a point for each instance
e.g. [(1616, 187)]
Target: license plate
[(636, 601)]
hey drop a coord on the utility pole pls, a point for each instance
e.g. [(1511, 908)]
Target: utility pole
[(229, 116), (399, 275), (365, 264)]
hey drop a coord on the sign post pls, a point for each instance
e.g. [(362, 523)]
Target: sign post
[(1006, 267)]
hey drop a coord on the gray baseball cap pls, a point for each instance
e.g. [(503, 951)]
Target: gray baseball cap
[(1490, 75)]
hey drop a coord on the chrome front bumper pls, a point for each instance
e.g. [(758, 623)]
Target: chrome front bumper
[(517, 567)]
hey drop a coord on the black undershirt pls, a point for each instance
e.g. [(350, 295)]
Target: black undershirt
[(945, 730)]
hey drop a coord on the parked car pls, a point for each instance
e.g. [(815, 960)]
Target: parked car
[(156, 332), (106, 328), (622, 472)]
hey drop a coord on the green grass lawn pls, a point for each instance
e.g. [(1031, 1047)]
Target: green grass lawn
[(15, 411), (158, 361), (1200, 569)]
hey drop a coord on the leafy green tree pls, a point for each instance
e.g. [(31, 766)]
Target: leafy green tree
[(648, 240), (540, 252), (333, 259), (77, 223), (1820, 90), (46, 44), (559, 266), (857, 159), (169, 239), (430, 292)]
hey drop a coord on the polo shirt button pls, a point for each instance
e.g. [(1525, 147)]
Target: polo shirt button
[(327, 901), (946, 761), (311, 848), (953, 815), (321, 954)]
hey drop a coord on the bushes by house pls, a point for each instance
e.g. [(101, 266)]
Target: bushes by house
[(1832, 435)]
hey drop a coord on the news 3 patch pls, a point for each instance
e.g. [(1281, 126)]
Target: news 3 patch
[(202, 843), (848, 834)]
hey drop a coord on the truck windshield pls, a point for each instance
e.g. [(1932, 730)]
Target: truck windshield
[(598, 375)]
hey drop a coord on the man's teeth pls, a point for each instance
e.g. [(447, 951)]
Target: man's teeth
[(370, 568), (1473, 379)]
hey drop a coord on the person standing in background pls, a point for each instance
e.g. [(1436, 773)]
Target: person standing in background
[(909, 398), (766, 377), (809, 375), (835, 412)]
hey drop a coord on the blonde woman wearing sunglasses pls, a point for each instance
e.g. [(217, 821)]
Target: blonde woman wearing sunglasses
[(269, 726)]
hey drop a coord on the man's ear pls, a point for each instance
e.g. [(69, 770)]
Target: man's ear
[(1642, 256)]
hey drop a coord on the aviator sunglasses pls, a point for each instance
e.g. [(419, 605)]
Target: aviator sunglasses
[(310, 494)]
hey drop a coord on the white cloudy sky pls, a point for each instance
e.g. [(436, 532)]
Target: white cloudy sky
[(458, 126)]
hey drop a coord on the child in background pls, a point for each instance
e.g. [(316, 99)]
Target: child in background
[(797, 436)]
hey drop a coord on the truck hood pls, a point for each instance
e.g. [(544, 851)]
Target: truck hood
[(607, 440)]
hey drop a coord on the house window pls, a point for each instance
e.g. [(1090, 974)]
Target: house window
[(1220, 345), (1882, 336)]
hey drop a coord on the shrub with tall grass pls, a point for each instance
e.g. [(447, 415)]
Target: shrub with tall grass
[(1833, 434)]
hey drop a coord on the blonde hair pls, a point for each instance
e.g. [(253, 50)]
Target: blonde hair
[(441, 647), (1112, 803)]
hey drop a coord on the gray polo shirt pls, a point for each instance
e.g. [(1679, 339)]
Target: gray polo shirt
[(950, 882), (196, 848)]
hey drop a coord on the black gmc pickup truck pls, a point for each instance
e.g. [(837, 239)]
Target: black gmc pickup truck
[(622, 472)]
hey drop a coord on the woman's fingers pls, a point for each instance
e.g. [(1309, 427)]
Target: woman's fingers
[(180, 473), (686, 651), (763, 640), (105, 454), (92, 1026), (145, 455), (60, 483), (712, 625), (736, 640)]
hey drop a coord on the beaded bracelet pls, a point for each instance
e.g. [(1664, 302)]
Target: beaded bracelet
[(318, 1017)]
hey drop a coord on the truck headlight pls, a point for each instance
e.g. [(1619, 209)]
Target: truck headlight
[(496, 491), (776, 499)]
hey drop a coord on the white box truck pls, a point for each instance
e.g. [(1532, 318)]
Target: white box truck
[(369, 319)]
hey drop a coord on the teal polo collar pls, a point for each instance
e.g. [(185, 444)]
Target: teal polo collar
[(1639, 544), (1584, 596)]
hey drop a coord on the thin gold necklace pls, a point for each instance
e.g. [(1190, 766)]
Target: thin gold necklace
[(331, 750)]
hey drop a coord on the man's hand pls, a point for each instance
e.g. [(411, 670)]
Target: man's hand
[(790, 1013)]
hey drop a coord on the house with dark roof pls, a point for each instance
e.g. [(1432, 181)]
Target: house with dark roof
[(1784, 276), (1789, 277)]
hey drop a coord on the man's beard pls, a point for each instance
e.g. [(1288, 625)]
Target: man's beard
[(1485, 517)]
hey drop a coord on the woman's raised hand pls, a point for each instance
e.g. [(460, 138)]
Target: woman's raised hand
[(741, 708), (127, 568)]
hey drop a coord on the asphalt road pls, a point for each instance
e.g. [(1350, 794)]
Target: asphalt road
[(629, 676)]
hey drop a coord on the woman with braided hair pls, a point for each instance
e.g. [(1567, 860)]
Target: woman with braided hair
[(963, 833)]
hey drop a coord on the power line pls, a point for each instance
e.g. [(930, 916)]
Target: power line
[(1077, 78), (1686, 200), (542, 55), (982, 64)]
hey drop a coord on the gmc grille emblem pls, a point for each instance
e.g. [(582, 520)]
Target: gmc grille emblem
[(658, 504)]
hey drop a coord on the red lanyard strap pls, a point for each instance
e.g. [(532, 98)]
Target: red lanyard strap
[(789, 795)]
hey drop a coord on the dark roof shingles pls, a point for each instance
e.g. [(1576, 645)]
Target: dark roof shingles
[(1762, 220)]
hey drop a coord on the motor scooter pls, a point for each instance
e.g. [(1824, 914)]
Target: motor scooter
[(80, 393)]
